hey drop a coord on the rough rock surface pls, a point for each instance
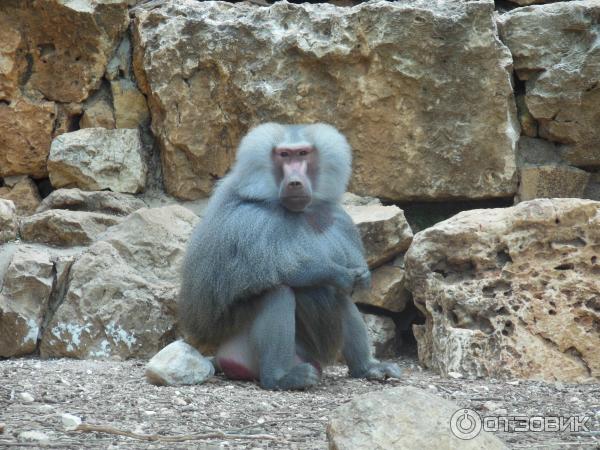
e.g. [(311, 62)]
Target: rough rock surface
[(8, 221), (384, 231), (407, 72), (120, 302), (28, 275), (400, 418), (68, 44), (382, 332), (511, 292), (131, 110), (65, 228), (388, 289), (555, 50), (551, 181), (24, 193), (95, 201), (96, 159), (25, 136), (178, 364)]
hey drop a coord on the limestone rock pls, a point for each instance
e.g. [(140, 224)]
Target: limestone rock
[(24, 194), (69, 43), (68, 117), (510, 292), (121, 298), (592, 190), (8, 221), (65, 228), (408, 72), (26, 285), (94, 201), (388, 289), (538, 152), (555, 51), (12, 66), (98, 113), (382, 332), (550, 181), (25, 136), (131, 110), (384, 231), (96, 159), (400, 418), (178, 364)]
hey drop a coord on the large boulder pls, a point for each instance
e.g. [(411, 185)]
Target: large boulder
[(121, 298), (29, 275), (23, 192), (402, 418), (511, 292), (96, 158), (421, 89), (94, 201), (68, 45), (556, 53)]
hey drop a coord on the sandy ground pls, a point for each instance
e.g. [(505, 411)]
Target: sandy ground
[(226, 414)]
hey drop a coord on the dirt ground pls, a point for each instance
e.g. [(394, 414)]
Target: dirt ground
[(226, 414)]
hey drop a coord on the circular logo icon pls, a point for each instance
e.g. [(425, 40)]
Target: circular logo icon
[(465, 424)]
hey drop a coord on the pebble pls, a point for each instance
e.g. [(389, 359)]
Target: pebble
[(34, 435), (26, 397), (70, 422), (455, 375)]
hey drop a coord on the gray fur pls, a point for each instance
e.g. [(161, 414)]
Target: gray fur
[(248, 247)]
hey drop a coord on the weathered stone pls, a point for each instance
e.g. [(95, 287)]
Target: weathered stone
[(94, 201), (408, 72), (538, 152), (122, 293), (384, 231), (592, 190), (68, 43), (511, 292), (65, 228), (400, 418), (67, 117), (382, 332), (131, 110), (178, 364), (550, 181), (529, 126), (350, 199), (25, 136), (24, 195), (120, 64), (12, 62), (96, 159), (97, 113), (388, 289), (8, 221), (26, 285), (555, 50)]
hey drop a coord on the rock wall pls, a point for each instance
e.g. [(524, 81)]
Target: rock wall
[(122, 114)]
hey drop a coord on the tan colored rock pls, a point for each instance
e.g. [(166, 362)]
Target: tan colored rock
[(382, 332), (94, 201), (12, 64), (555, 52), (69, 43), (131, 110), (24, 194), (398, 78), (67, 117), (26, 295), (388, 289), (384, 231), (65, 228), (25, 136), (511, 292), (8, 221), (96, 159), (551, 181), (400, 418), (121, 298), (98, 114), (529, 126)]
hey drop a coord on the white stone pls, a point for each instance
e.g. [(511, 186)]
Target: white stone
[(179, 364)]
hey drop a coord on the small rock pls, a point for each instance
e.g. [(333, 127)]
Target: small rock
[(179, 401), (34, 435), (26, 397), (70, 422), (179, 364), (455, 375)]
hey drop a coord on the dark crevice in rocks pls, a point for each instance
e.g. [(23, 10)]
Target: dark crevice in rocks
[(44, 187), (28, 71), (60, 284), (421, 215)]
